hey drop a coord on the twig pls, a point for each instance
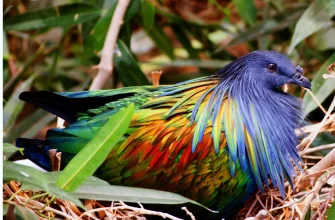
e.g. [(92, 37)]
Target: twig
[(316, 149), (317, 101), (311, 128), (312, 157), (287, 205), (105, 66), (35, 205), (251, 208), (134, 209), (260, 215), (188, 213), (327, 162), (260, 202), (317, 187), (315, 133), (317, 170), (324, 206)]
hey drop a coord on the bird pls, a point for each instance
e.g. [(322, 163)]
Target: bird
[(215, 139)]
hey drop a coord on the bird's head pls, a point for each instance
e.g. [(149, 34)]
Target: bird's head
[(271, 69)]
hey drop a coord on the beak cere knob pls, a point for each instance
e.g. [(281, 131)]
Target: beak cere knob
[(299, 69), (298, 72), (300, 80)]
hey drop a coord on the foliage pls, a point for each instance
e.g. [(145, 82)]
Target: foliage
[(52, 45)]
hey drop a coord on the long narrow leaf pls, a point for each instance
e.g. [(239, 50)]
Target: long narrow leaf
[(33, 179), (316, 17), (92, 188), (14, 105), (51, 17), (161, 40), (129, 72), (8, 150), (85, 163), (247, 10)]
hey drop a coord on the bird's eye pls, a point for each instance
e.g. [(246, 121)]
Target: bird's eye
[(272, 67)]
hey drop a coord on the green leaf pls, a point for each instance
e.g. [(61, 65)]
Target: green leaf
[(321, 87), (4, 209), (161, 40), (85, 163), (96, 39), (316, 17), (132, 10), (331, 212), (128, 70), (271, 25), (309, 213), (30, 126), (5, 51), (324, 39), (148, 14), (97, 189), (52, 17), (33, 179), (129, 194), (9, 149), (247, 10), (14, 105)]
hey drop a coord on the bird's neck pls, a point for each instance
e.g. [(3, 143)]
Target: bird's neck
[(269, 118)]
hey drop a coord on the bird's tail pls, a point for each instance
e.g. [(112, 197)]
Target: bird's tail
[(36, 151)]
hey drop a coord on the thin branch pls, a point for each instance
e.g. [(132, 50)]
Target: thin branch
[(260, 215), (105, 66), (314, 192), (315, 133), (317, 170), (316, 149), (260, 202), (327, 162), (324, 206), (188, 213), (317, 101), (35, 205), (328, 126), (134, 209)]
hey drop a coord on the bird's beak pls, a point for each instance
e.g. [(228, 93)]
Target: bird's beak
[(301, 80)]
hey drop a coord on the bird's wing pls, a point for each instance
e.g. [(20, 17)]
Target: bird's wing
[(71, 105)]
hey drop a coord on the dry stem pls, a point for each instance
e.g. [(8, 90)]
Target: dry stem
[(105, 66), (316, 132), (138, 211), (314, 192)]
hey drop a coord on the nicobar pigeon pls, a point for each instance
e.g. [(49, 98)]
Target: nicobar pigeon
[(215, 140)]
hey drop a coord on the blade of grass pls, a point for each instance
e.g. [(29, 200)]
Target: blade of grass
[(94, 153), (317, 16), (14, 105)]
